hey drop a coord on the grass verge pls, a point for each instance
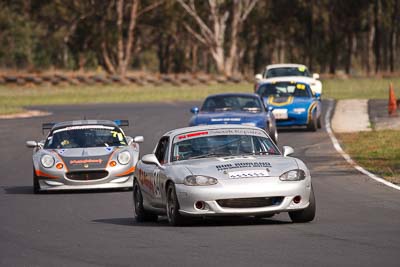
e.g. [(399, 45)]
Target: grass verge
[(376, 151), (365, 88), (14, 99)]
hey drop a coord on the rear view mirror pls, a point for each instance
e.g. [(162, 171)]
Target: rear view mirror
[(258, 77), (315, 76), (194, 110), (287, 150), (138, 139), (151, 159), (32, 144)]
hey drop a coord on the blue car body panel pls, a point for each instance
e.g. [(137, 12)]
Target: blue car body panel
[(261, 119), (230, 117), (300, 110)]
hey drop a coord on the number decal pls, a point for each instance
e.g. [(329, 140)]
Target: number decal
[(157, 183)]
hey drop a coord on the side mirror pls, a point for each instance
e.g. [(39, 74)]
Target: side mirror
[(32, 144), (287, 150), (194, 110), (270, 108), (151, 159), (315, 76), (318, 95), (138, 139), (258, 77)]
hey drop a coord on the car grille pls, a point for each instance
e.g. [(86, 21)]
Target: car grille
[(87, 175), (255, 202)]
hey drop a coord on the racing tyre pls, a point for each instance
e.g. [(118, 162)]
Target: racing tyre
[(36, 186), (141, 215), (307, 214), (319, 122), (273, 133), (174, 217), (312, 125)]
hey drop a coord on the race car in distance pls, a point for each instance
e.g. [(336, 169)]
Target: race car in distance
[(84, 154), (296, 72), (293, 103), (221, 170), (235, 108)]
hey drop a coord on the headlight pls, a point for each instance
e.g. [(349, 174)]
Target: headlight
[(47, 161), (249, 124), (299, 110), (124, 157), (199, 180), (293, 175)]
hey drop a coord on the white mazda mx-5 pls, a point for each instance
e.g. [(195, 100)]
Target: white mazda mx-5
[(221, 170)]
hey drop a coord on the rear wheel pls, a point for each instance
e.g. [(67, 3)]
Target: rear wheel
[(307, 214), (141, 215), (174, 217)]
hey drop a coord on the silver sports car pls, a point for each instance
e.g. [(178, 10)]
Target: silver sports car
[(84, 154), (219, 170)]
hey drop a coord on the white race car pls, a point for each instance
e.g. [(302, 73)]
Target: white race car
[(221, 170), (296, 72)]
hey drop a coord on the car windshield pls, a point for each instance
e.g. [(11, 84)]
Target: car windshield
[(283, 89), (232, 103), (287, 71), (85, 136), (223, 145)]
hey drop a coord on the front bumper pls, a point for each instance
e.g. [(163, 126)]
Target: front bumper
[(294, 119), (49, 184), (117, 177), (247, 188)]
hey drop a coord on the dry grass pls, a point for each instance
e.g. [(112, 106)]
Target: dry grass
[(377, 151)]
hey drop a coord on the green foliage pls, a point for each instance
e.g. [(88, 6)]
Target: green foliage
[(355, 36), (18, 38)]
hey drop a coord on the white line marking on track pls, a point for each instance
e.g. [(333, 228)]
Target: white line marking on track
[(346, 156)]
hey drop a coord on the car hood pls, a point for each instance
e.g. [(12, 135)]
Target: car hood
[(292, 102), (223, 167), (83, 158), (301, 79), (233, 116)]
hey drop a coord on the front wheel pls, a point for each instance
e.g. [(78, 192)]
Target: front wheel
[(273, 133), (174, 217), (319, 123), (312, 124), (36, 185), (307, 214), (141, 215)]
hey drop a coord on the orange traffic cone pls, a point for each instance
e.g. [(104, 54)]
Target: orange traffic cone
[(392, 107)]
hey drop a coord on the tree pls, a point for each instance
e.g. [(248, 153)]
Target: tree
[(118, 61), (212, 33)]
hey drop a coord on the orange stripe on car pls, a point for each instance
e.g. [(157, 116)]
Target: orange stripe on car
[(125, 173), (43, 174)]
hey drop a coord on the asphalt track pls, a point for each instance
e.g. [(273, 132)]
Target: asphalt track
[(357, 223)]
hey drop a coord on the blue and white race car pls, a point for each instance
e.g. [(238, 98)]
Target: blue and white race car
[(293, 103), (235, 108)]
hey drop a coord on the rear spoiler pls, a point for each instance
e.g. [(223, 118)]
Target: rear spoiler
[(47, 126), (122, 122)]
